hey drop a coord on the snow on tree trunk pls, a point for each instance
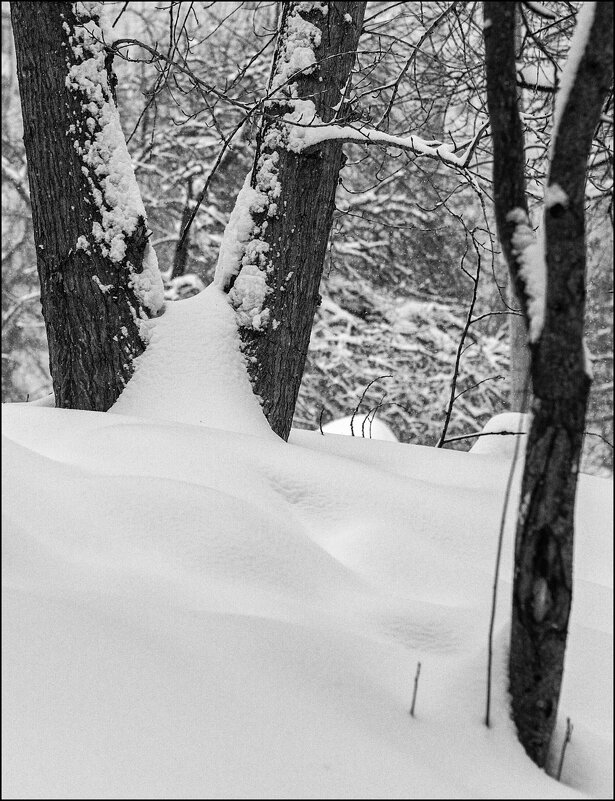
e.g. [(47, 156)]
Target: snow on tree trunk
[(273, 252), (98, 273), (542, 590)]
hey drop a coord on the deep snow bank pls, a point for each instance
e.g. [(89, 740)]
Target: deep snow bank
[(195, 609)]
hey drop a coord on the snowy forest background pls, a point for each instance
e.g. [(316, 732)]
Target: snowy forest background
[(395, 294)]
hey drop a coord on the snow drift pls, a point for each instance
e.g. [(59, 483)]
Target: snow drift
[(195, 609)]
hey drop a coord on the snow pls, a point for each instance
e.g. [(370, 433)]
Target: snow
[(298, 46), (242, 261), (530, 252), (503, 444), (361, 425), (307, 130), (588, 360), (555, 196), (195, 609), (195, 346), (104, 288)]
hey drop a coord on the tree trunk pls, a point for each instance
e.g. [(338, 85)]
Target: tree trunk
[(180, 258), (520, 390), (506, 130), (542, 590), (296, 190), (501, 34), (98, 275)]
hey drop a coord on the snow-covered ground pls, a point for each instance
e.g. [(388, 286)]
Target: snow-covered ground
[(195, 609)]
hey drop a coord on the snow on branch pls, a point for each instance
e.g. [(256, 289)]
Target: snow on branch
[(309, 136)]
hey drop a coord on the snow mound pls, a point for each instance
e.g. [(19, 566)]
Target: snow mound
[(192, 370), (505, 429), (194, 608), (360, 425)]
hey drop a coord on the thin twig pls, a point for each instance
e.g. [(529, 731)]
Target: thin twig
[(464, 333), (356, 411), (485, 434), (478, 383), (115, 21), (498, 560), (604, 439), (569, 728), (416, 686)]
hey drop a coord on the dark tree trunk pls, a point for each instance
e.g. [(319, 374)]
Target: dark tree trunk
[(506, 129), (180, 258), (90, 295), (542, 591), (500, 33), (296, 234)]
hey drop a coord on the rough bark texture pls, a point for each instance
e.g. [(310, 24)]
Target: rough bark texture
[(506, 129), (297, 236), (542, 590), (92, 334), (501, 33)]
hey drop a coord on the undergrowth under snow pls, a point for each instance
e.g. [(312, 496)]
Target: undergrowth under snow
[(195, 609)]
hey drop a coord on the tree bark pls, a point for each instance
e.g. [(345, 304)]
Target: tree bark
[(506, 130), (94, 291), (520, 390), (180, 258), (294, 225), (542, 589), (509, 189)]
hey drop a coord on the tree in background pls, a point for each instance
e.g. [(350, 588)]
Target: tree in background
[(550, 279), (98, 273), (24, 348)]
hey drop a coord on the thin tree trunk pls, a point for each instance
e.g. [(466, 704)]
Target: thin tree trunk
[(501, 35), (542, 590), (98, 275), (292, 225), (509, 190), (180, 258), (520, 390)]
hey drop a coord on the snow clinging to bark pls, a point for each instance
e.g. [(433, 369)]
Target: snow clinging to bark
[(555, 196), (106, 161), (243, 262), (529, 250)]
